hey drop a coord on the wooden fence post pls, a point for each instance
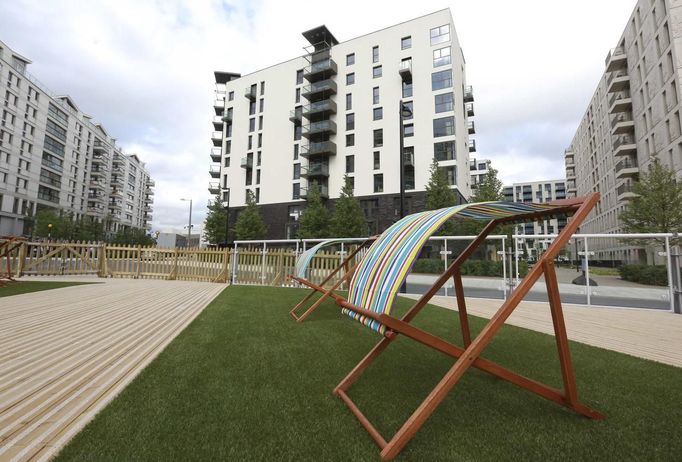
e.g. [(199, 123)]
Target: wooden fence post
[(20, 259), (174, 271), (139, 261)]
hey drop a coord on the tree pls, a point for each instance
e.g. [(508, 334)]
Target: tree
[(133, 236), (315, 220), (88, 229), (656, 209), (439, 195), (53, 223), (348, 219), (490, 189), (250, 224), (214, 225)]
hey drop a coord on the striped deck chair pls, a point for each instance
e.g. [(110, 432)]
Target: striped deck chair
[(384, 268), (302, 266)]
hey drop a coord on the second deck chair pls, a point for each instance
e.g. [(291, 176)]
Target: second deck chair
[(383, 270)]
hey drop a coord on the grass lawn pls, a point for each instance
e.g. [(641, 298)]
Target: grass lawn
[(245, 382), (24, 287)]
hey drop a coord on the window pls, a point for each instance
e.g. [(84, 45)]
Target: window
[(350, 164), (378, 113), (299, 77), (228, 146), (260, 123), (296, 152), (444, 151), (376, 72), (262, 88), (350, 121), (406, 42), (297, 171), (441, 57), (260, 140), (252, 124), (451, 174), (350, 140), (407, 89), (350, 59), (57, 114), (252, 108), (375, 95), (444, 102), (351, 182), (296, 194), (298, 95), (378, 182), (442, 79), (377, 160), (261, 105), (297, 132), (440, 34), (444, 126), (409, 105), (249, 146), (408, 130), (349, 101), (230, 96), (378, 138), (375, 54), (350, 78)]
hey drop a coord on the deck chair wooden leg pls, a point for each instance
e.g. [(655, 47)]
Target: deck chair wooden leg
[(462, 308), (357, 371), (324, 296)]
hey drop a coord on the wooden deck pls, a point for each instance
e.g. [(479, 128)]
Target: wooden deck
[(65, 353), (648, 334)]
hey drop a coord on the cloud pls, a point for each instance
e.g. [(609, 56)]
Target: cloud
[(144, 69)]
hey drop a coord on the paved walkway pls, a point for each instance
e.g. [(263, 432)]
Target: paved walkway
[(649, 334), (65, 353)]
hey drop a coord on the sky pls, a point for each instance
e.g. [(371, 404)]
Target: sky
[(144, 69)]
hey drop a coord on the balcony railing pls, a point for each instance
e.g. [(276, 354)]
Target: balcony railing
[(295, 115), (315, 170), (468, 94), (214, 171), (471, 128), (325, 105), (626, 162), (624, 189), (617, 75), (615, 58), (570, 161), (621, 118), (408, 159), (246, 162), (217, 136), (325, 66), (319, 127), (323, 190), (472, 145), (322, 147), (227, 117), (405, 70), (250, 93), (214, 187), (621, 95), (217, 120), (216, 154), (469, 107), (327, 86), (623, 140), (570, 173)]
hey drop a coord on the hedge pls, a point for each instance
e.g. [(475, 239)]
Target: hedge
[(645, 274), (469, 267)]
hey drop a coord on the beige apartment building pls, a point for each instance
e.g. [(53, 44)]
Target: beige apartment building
[(53, 155), (633, 118)]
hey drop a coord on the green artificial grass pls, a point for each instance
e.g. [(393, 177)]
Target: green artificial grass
[(24, 287), (246, 382)]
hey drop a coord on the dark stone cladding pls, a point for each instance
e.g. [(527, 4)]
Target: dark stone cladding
[(276, 216)]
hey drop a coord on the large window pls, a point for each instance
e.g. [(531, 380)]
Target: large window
[(350, 78), (296, 194), (445, 102), (350, 140), (408, 130), (377, 160), (378, 138), (406, 42), (441, 57), (350, 164), (375, 95), (444, 151), (378, 113), (54, 146), (350, 59), (252, 124), (442, 79), (444, 126), (350, 121), (378, 182), (349, 101), (440, 34), (375, 54), (297, 132), (297, 171), (57, 114), (299, 77), (55, 130), (376, 72), (407, 89), (451, 174)]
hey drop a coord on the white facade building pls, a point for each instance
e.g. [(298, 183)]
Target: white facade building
[(478, 169), (53, 156), (632, 119), (312, 119)]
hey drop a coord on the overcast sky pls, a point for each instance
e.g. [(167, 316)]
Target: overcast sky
[(144, 69)]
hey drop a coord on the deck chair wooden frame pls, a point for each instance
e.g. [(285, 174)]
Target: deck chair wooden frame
[(348, 273), (470, 354), (7, 246)]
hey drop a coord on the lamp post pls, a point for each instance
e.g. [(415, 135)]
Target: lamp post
[(49, 231), (404, 112), (226, 205), (189, 226)]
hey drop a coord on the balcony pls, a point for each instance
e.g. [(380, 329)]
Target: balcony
[(214, 187), (116, 204), (624, 145), (318, 149), (319, 90), (469, 108), (468, 94), (98, 173), (246, 162), (625, 192), (250, 93), (618, 81), (296, 115), (320, 70), (217, 138), (472, 145), (324, 191), (627, 167), (622, 123), (214, 171), (216, 154), (315, 170), (405, 70), (150, 183), (570, 173), (227, 117), (616, 59), (323, 127), (116, 193), (94, 184), (471, 128), (217, 122), (117, 181), (324, 107), (408, 160), (98, 146), (219, 103), (149, 192), (620, 102), (570, 159), (118, 170)]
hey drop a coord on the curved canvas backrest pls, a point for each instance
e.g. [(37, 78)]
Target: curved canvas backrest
[(303, 261), (388, 261)]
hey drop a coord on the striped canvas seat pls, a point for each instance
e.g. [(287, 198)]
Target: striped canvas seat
[(303, 261), (388, 261)]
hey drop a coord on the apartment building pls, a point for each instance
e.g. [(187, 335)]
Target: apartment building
[(52, 155), (340, 109), (632, 119), (478, 169)]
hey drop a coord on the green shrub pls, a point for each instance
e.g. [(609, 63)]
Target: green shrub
[(645, 274), (469, 267)]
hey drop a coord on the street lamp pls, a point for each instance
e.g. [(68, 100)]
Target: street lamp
[(49, 231), (405, 113), (189, 227), (226, 205)]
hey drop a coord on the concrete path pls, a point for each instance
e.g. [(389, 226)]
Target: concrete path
[(649, 334), (65, 353)]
